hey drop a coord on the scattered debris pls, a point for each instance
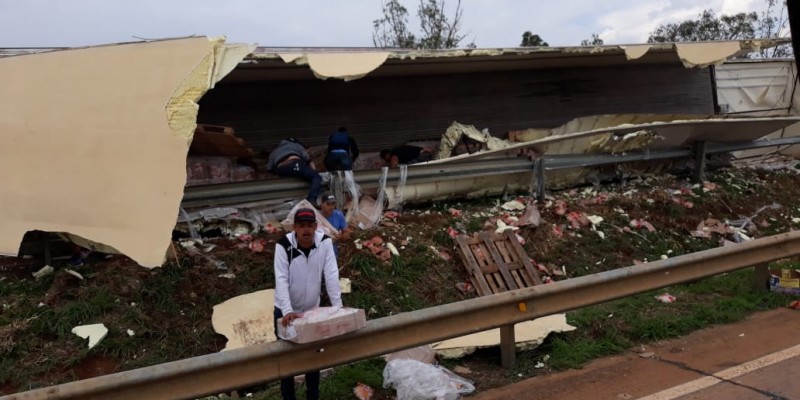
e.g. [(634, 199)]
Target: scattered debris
[(257, 246), (391, 214), (462, 370), (578, 219), (345, 285), (46, 270), (513, 205), (595, 220), (666, 298), (539, 365), (464, 287), (73, 273), (227, 276), (502, 227), (795, 305), (271, 228), (561, 207), (95, 333), (454, 212), (682, 202), (642, 224), (452, 232), (416, 380), (647, 354), (392, 249), (530, 217), (363, 392), (131, 333)]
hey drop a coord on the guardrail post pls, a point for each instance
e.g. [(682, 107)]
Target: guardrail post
[(508, 346), (699, 161), (538, 170), (761, 278)]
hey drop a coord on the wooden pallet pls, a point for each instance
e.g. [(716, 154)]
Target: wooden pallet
[(496, 262), (212, 140)]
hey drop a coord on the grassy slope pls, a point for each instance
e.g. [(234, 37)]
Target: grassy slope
[(169, 309)]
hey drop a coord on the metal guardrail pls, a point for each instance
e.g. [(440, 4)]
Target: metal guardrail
[(215, 373), (243, 192)]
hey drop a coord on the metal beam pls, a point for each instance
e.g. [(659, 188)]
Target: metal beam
[(243, 192), (215, 373)]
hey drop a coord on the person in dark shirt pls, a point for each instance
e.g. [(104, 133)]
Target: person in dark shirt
[(406, 154), (342, 151), (290, 158)]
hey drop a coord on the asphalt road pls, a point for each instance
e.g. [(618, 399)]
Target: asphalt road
[(758, 358)]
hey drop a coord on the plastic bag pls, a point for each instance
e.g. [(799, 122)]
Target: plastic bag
[(416, 380)]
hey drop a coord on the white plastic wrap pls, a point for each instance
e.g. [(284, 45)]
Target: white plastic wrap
[(416, 380)]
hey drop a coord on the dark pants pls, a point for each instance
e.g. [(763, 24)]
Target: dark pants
[(338, 161), (287, 384), (299, 169)]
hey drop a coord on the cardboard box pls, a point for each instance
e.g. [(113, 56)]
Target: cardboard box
[(322, 323), (785, 281)]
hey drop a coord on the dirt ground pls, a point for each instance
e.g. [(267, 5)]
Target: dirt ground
[(169, 308)]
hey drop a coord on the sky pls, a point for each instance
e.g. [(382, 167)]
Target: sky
[(327, 23)]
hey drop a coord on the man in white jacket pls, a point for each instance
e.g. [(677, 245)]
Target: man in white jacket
[(302, 258)]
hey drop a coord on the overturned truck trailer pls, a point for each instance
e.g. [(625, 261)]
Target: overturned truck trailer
[(98, 137)]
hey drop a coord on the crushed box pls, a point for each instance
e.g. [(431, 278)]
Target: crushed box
[(322, 323), (785, 281)]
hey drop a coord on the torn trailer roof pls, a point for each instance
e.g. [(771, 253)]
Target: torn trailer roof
[(119, 119)]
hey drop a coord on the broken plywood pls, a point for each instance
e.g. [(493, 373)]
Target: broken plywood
[(246, 320), (528, 335), (496, 263), (98, 138)]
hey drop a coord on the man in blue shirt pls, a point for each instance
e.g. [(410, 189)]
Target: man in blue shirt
[(342, 151), (336, 218)]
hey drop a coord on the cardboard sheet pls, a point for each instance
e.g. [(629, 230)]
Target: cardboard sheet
[(246, 320), (95, 140)]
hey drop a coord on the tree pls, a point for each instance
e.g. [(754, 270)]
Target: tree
[(530, 40), (438, 29), (392, 30), (772, 23), (595, 40), (706, 27)]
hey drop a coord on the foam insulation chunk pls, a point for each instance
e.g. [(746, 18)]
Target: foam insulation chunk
[(246, 320), (704, 54), (96, 140), (528, 335), (95, 333), (346, 66), (636, 51)]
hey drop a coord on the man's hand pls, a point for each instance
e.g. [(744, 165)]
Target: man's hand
[(288, 318)]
